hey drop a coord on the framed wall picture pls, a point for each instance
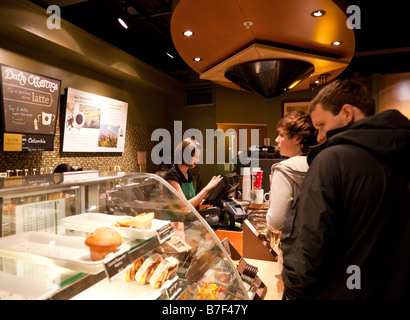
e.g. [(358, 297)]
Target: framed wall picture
[(289, 106), (93, 123)]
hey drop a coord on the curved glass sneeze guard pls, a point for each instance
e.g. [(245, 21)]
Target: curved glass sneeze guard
[(42, 204)]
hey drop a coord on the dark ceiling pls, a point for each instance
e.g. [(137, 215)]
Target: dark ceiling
[(382, 42)]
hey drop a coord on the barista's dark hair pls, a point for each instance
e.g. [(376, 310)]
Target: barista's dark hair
[(298, 123), (340, 92)]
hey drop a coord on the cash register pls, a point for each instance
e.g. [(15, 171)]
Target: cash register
[(224, 212)]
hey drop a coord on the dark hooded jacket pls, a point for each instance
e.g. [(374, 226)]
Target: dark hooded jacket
[(348, 235)]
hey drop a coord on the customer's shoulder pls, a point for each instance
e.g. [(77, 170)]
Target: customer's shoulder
[(297, 161), (342, 156)]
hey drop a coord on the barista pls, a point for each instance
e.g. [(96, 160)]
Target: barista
[(179, 176)]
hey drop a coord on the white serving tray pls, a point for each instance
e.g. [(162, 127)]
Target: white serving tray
[(58, 250), (88, 222), (23, 288)]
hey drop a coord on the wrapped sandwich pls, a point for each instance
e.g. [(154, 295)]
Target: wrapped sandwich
[(130, 273), (165, 271), (148, 268)]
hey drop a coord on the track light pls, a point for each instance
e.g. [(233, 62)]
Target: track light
[(122, 19), (123, 23)]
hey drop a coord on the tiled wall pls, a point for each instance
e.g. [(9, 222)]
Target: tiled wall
[(138, 138)]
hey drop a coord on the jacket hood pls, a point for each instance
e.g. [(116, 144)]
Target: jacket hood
[(295, 170), (386, 134)]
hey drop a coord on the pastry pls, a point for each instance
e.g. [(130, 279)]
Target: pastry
[(165, 271), (147, 269), (208, 291), (136, 265), (103, 241), (143, 221)]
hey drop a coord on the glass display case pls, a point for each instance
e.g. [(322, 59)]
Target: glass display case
[(167, 250)]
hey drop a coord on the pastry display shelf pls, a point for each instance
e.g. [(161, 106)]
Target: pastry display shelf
[(83, 281), (63, 205)]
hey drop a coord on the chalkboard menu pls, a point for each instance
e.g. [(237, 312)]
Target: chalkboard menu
[(29, 109)]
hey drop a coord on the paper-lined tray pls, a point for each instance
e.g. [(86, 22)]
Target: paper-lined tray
[(51, 249), (23, 288), (88, 222)]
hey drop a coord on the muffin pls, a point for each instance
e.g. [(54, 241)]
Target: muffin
[(103, 241)]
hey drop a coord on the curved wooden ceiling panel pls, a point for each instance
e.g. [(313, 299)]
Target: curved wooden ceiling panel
[(225, 30)]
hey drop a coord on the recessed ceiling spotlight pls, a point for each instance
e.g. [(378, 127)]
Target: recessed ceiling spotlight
[(248, 24), (197, 59), (336, 43), (188, 33), (318, 13)]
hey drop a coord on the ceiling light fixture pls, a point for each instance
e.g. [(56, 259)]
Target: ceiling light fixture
[(248, 24), (294, 84), (122, 22), (122, 19), (318, 13), (169, 55), (324, 77), (269, 78), (197, 59), (188, 33), (336, 43)]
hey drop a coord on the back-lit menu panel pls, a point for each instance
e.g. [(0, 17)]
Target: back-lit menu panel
[(93, 123)]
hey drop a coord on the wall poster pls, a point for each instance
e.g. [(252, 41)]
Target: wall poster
[(93, 123), (289, 106), (29, 110)]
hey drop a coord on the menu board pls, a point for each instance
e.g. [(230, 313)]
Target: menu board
[(93, 123), (30, 102)]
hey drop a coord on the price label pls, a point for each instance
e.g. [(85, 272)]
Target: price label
[(165, 232), (173, 289), (118, 264)]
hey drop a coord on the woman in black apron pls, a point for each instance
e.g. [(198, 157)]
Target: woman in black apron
[(179, 176)]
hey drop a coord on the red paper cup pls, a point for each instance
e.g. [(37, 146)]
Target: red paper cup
[(257, 180)]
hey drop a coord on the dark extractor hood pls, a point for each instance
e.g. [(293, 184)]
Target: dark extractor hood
[(269, 78)]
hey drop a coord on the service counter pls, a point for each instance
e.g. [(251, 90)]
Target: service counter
[(269, 272), (257, 249)]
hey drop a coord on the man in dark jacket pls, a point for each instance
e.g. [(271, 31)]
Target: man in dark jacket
[(348, 235)]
